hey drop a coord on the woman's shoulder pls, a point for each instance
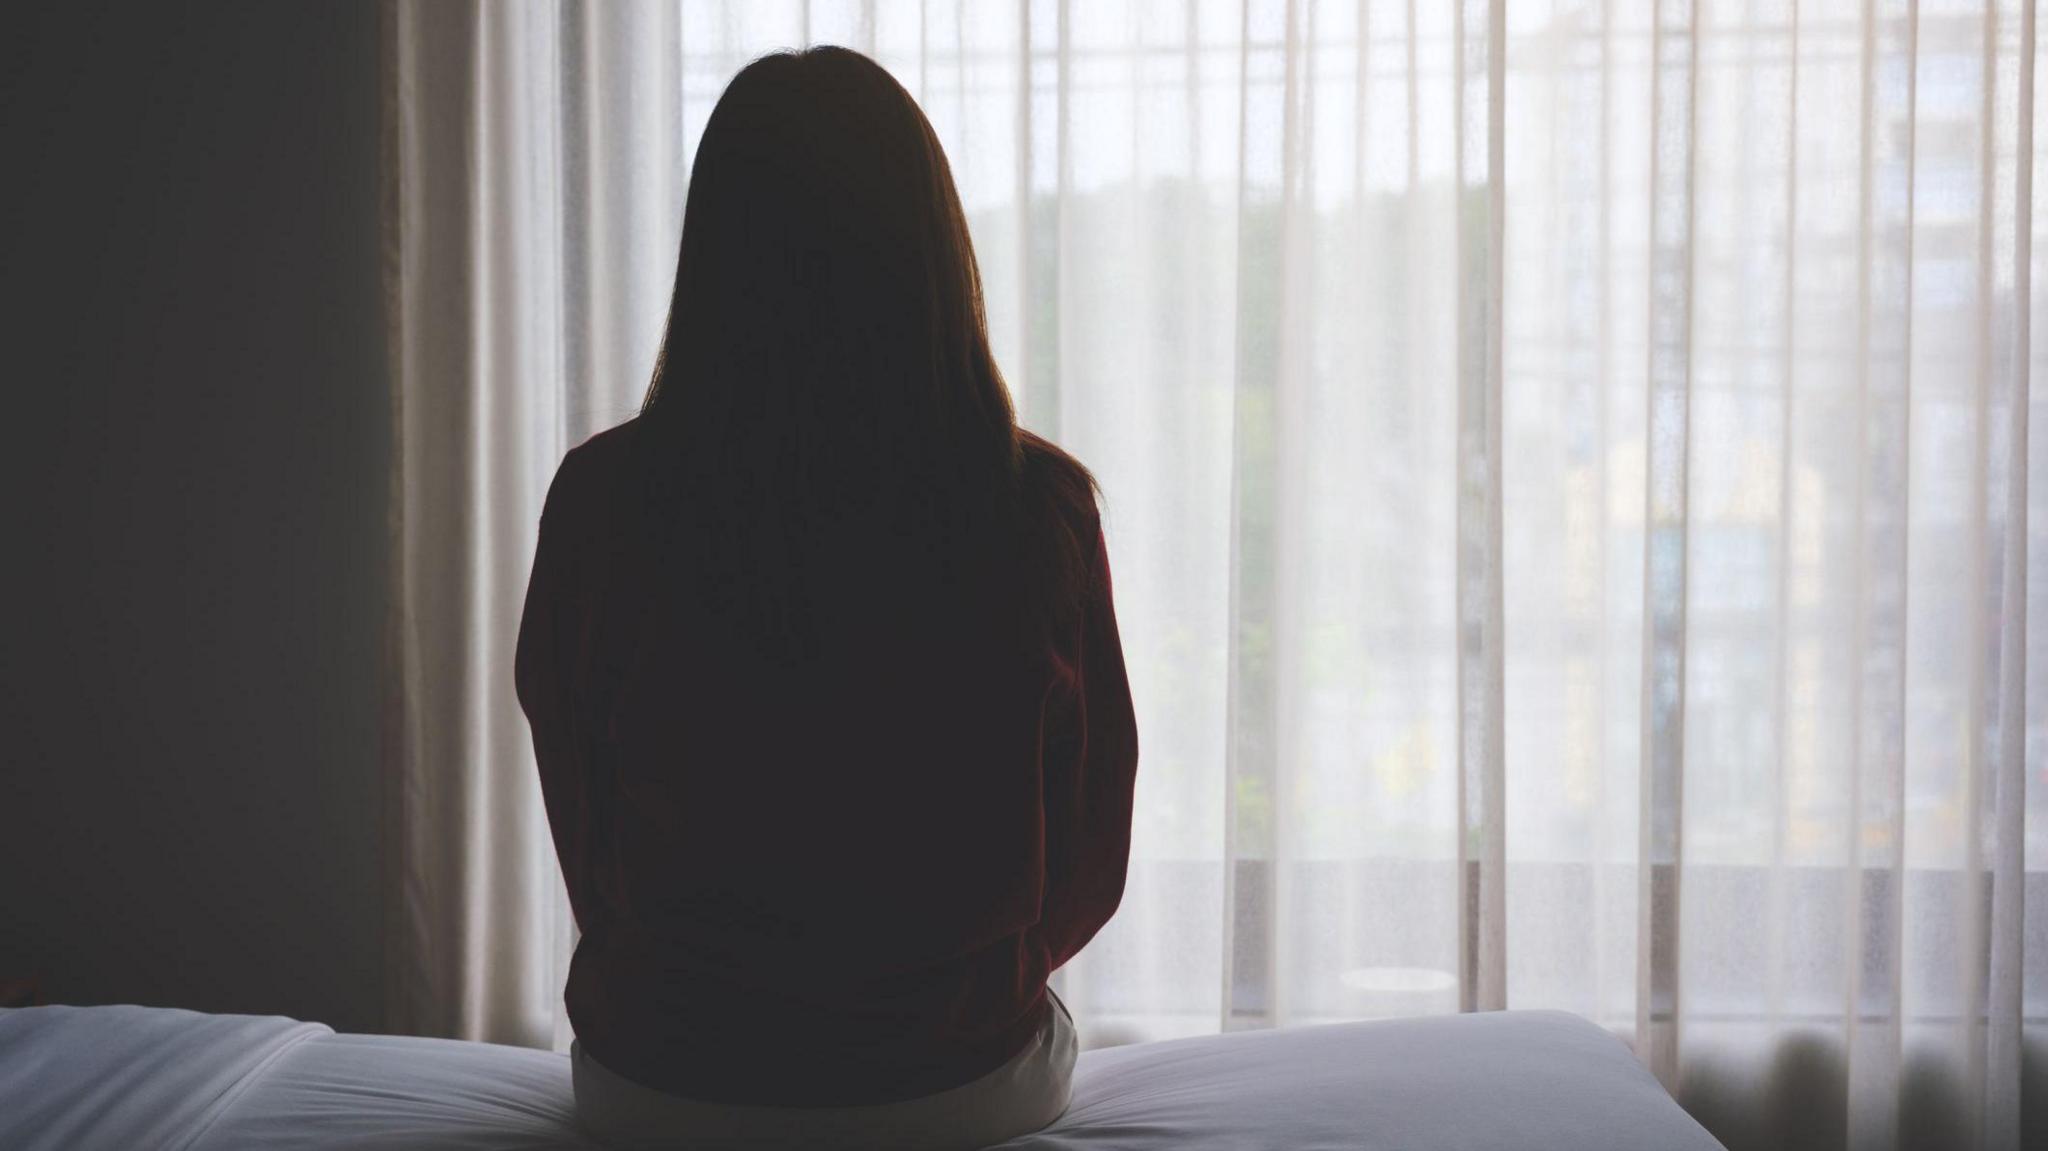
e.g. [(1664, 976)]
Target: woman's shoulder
[(608, 449), (1052, 473), (588, 475)]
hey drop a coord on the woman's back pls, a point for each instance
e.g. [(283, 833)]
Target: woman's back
[(834, 873)]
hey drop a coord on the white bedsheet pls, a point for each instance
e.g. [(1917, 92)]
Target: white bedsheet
[(136, 1078)]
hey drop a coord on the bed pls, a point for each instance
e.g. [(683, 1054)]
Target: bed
[(138, 1077)]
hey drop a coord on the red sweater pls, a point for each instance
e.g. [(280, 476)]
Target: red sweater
[(840, 884)]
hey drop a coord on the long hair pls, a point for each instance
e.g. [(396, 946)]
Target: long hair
[(826, 421)]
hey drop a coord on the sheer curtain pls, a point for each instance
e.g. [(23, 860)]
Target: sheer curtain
[(1566, 465)]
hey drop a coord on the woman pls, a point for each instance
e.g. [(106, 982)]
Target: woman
[(822, 669)]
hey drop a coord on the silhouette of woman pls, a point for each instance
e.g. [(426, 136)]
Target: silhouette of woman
[(822, 669)]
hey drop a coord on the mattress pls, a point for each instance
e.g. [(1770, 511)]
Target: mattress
[(137, 1077)]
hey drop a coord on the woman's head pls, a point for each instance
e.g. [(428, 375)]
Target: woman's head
[(827, 305), (825, 408)]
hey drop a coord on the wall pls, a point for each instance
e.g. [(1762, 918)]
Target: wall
[(192, 501)]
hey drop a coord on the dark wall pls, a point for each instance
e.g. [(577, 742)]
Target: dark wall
[(192, 502)]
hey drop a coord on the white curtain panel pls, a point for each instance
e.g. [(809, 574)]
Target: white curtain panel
[(1566, 463)]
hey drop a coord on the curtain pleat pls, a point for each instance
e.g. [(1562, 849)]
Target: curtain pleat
[(1567, 467), (1666, 543), (1482, 763), (475, 923), (2005, 1085)]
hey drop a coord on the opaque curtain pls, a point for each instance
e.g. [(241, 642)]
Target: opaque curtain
[(1567, 466)]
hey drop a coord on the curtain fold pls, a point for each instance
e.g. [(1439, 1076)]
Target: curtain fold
[(1567, 462)]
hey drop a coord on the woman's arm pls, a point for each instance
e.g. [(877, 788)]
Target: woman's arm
[(550, 638), (1089, 779)]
